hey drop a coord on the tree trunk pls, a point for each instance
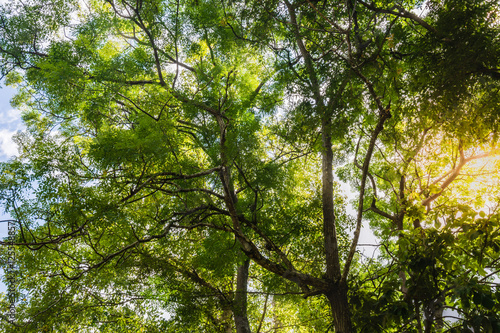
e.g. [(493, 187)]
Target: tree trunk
[(240, 299), (337, 296), (340, 308)]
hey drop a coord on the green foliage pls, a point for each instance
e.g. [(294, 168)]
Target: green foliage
[(169, 142)]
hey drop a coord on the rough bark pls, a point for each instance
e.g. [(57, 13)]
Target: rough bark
[(240, 299), (337, 292), (329, 228), (340, 308)]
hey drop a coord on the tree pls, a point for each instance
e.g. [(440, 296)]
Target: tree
[(178, 152)]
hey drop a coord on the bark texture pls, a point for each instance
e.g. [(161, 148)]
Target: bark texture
[(340, 308), (240, 299)]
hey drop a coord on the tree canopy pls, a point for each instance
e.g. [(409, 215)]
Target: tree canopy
[(182, 162)]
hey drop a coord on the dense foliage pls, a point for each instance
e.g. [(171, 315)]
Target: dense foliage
[(181, 167)]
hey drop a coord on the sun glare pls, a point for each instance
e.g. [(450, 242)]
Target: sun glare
[(483, 174)]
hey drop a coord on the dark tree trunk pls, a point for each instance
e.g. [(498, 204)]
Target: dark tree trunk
[(340, 309), (240, 299), (337, 296)]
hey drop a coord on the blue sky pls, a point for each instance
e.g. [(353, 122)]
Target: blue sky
[(10, 123)]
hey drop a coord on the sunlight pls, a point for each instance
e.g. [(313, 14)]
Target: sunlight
[(483, 178), (485, 170)]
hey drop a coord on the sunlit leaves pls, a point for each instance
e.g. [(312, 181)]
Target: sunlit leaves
[(161, 134)]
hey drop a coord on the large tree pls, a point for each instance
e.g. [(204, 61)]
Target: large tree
[(177, 172)]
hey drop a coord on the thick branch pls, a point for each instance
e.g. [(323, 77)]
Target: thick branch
[(305, 54), (378, 128)]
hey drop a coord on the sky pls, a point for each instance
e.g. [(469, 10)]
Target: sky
[(10, 124)]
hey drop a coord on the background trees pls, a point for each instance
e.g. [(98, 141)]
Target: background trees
[(177, 173)]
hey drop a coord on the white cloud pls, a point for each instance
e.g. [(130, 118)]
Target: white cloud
[(7, 146), (11, 115), (10, 124)]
